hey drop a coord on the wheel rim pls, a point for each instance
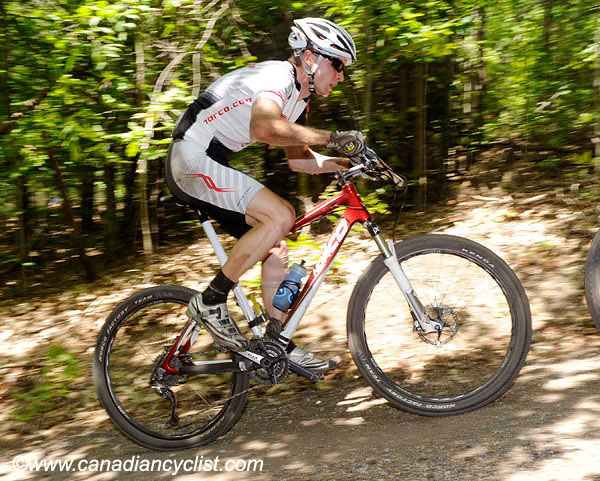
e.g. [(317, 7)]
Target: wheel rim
[(474, 346), (141, 338)]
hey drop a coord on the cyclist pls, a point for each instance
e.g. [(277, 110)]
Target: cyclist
[(266, 102)]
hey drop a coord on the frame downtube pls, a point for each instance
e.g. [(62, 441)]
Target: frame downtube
[(320, 269)]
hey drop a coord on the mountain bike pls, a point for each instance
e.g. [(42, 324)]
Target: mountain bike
[(592, 280), (437, 325)]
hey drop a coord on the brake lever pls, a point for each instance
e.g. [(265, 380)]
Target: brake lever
[(389, 172), (372, 167)]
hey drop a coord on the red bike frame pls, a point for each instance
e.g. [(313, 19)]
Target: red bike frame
[(355, 212)]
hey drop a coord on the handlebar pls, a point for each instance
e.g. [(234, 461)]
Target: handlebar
[(370, 165)]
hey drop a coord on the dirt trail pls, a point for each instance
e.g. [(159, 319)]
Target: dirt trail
[(547, 427)]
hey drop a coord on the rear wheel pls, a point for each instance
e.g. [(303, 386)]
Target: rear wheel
[(156, 409), (477, 354)]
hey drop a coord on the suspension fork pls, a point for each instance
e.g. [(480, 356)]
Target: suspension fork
[(421, 320)]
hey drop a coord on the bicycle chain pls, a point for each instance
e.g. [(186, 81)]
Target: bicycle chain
[(280, 376), (219, 403)]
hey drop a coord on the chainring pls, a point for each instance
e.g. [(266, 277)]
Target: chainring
[(276, 354)]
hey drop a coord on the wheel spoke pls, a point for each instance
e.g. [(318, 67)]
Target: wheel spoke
[(132, 377), (478, 351)]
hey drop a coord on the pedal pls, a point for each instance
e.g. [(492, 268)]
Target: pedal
[(301, 371)]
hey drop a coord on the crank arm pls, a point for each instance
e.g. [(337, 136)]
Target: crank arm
[(301, 371), (255, 358)]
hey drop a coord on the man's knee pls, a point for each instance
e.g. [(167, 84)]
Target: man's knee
[(289, 217), (269, 209), (283, 218)]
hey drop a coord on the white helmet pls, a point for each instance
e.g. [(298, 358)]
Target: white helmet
[(322, 37)]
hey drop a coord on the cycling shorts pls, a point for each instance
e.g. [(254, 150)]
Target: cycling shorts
[(200, 176)]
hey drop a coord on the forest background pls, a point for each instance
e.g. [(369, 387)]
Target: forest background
[(90, 91)]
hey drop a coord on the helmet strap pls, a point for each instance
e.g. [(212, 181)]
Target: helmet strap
[(310, 72)]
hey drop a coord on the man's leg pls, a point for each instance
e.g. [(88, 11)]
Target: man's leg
[(274, 269), (271, 218)]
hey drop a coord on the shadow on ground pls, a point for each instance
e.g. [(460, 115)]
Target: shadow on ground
[(546, 427)]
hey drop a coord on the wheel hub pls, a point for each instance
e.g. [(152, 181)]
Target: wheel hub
[(446, 322), (159, 376)]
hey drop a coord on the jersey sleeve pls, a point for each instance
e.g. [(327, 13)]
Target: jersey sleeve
[(275, 86)]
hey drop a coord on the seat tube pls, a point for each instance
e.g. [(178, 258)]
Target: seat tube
[(240, 297)]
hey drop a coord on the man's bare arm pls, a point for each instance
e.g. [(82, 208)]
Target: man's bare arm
[(266, 125), (302, 159)]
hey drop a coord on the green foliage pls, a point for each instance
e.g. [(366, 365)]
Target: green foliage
[(58, 375), (98, 86)]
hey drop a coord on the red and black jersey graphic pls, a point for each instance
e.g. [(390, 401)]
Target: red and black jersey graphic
[(211, 183)]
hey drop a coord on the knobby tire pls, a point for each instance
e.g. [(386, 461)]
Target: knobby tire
[(478, 356), (134, 335)]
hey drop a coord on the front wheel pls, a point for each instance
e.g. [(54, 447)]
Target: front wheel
[(592, 280), (481, 348), (156, 409)]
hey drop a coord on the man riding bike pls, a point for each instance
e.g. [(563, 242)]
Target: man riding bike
[(266, 102)]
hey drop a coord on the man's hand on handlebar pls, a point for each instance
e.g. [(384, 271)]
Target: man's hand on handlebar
[(350, 143)]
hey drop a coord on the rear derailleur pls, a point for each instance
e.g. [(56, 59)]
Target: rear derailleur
[(162, 382)]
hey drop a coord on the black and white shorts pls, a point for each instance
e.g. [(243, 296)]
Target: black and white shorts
[(202, 178)]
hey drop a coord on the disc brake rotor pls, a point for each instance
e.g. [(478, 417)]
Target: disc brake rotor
[(448, 319)]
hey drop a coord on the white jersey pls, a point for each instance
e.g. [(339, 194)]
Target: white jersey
[(227, 104)]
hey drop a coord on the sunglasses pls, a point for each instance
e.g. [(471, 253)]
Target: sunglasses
[(336, 63)]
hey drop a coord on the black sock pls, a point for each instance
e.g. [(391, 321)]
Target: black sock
[(217, 291)]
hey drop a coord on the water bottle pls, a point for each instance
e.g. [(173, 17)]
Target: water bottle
[(289, 287)]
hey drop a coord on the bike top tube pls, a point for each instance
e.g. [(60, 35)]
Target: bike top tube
[(347, 197)]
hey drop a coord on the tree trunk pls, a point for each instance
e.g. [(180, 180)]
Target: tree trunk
[(110, 214), (403, 104), (479, 77), (197, 75), (130, 210), (5, 107), (12, 158), (368, 99), (20, 194), (420, 162), (596, 139), (156, 180), (548, 5), (75, 227), (87, 201), (142, 189), (142, 167)]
